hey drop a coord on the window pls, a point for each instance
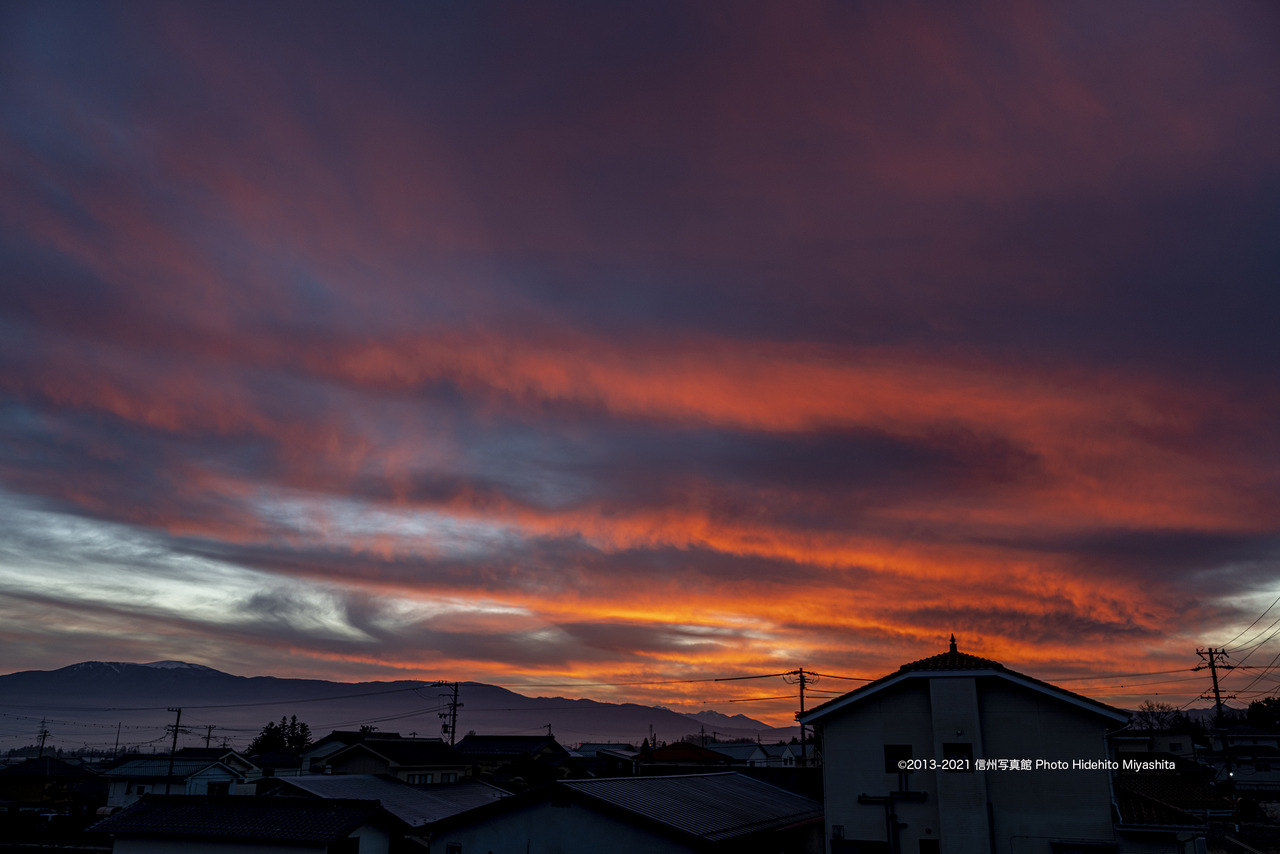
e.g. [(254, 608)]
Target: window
[(958, 755), (222, 787), (453, 848), (449, 777), (1175, 747), (141, 790), (893, 754), (929, 846), (420, 779)]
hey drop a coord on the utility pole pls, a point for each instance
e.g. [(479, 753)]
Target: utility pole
[(1214, 658), (801, 678), (173, 748), (44, 733), (208, 734), (115, 749), (451, 727)]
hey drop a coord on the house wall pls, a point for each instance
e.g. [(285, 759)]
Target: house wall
[(998, 720), (361, 763), (545, 829), (1033, 807), (853, 764)]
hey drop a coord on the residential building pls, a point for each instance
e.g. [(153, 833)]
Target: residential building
[(416, 806), (957, 754), (419, 761), (160, 824), (685, 814), (131, 780)]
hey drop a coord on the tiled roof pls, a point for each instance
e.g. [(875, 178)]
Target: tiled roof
[(241, 818), (708, 806), (1141, 810), (951, 660), (954, 661), (412, 805)]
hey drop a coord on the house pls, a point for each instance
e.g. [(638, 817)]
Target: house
[(492, 751), (159, 824), (419, 761), (131, 780), (315, 756), (744, 753), (683, 814), (958, 754), (231, 758), (46, 783), (416, 806), (516, 761)]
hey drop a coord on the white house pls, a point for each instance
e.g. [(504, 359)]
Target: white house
[(957, 754), (131, 780)]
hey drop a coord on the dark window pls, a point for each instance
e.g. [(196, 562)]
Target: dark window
[(929, 846), (449, 777), (219, 788), (958, 751), (893, 754), (453, 848)]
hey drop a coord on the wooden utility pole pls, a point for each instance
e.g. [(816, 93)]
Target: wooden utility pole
[(1214, 657), (173, 748)]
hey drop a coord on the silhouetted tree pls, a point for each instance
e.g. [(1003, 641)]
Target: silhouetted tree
[(1265, 713), (288, 735), (1154, 717)]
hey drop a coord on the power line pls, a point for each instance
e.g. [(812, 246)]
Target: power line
[(1254, 623)]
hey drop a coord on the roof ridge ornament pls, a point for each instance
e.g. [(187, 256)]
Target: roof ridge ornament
[(953, 641)]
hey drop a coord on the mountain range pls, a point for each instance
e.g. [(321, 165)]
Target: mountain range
[(118, 705)]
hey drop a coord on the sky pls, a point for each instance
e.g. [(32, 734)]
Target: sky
[(609, 345)]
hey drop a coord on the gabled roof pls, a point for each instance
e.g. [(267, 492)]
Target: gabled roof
[(712, 807), (509, 745), (954, 662), (697, 808), (687, 751), (740, 752), (406, 752), (241, 818), (412, 805), (345, 738), (158, 769)]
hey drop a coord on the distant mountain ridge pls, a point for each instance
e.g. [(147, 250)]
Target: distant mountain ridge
[(87, 703)]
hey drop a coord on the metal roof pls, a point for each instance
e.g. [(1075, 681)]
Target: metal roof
[(241, 818), (709, 806), (413, 805), (158, 769)]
